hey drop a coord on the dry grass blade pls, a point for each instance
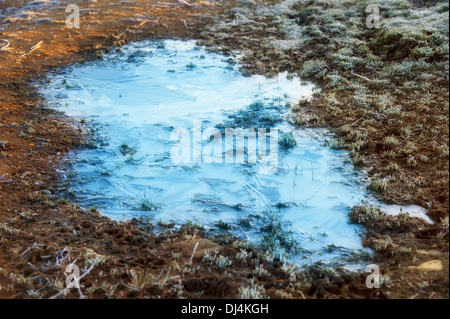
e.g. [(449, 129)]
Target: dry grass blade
[(33, 48)]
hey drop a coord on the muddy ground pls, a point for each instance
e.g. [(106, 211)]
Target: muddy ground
[(42, 233)]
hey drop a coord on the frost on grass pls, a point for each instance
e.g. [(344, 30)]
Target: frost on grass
[(214, 258), (252, 290)]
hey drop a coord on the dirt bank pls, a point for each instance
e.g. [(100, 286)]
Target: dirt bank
[(40, 234)]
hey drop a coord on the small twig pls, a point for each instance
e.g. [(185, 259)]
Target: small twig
[(262, 183), (37, 46), (32, 266), (195, 249), (360, 76), (186, 3), (332, 39), (242, 19), (354, 123), (4, 179), (248, 238), (26, 250), (87, 271), (56, 296), (33, 48), (142, 23)]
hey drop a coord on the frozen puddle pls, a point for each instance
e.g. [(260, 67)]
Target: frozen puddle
[(138, 100)]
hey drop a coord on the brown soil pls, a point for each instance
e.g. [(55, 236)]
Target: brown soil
[(40, 234)]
